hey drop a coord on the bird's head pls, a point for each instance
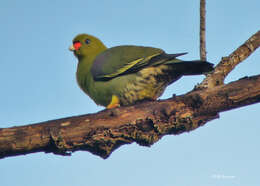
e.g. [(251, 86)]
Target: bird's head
[(85, 45)]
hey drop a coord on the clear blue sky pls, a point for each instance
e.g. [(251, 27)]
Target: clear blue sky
[(37, 77)]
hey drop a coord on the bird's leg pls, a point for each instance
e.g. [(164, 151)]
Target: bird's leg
[(114, 102)]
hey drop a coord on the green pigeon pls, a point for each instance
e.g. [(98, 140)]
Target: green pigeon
[(124, 75)]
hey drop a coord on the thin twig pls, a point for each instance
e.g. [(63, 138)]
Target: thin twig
[(203, 55)]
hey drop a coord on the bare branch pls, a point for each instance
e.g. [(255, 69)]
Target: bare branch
[(227, 64), (144, 123), (203, 52)]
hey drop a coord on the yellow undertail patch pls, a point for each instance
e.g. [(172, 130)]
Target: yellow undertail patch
[(114, 102)]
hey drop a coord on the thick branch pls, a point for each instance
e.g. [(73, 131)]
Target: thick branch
[(203, 52), (227, 64), (144, 123)]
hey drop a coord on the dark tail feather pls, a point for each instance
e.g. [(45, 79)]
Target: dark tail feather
[(193, 67)]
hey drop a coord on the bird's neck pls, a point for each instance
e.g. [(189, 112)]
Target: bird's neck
[(84, 76)]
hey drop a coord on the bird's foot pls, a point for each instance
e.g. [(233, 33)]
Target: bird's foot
[(113, 106), (114, 102)]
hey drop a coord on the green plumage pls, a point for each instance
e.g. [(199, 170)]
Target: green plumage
[(127, 73)]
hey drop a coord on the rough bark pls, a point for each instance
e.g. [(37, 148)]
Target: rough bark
[(144, 123)]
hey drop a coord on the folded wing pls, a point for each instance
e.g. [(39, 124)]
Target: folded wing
[(122, 60)]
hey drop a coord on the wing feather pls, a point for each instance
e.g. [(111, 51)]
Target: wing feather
[(121, 60)]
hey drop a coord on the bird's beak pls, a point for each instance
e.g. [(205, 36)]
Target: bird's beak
[(71, 48)]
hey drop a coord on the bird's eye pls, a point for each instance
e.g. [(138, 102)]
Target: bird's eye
[(87, 41)]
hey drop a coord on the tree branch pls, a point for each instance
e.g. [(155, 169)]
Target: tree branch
[(144, 123), (227, 64), (203, 53)]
